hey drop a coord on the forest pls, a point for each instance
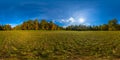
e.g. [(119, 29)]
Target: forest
[(43, 24)]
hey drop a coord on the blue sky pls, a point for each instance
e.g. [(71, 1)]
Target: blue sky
[(62, 12)]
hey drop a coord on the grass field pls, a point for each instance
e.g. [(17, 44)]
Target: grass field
[(59, 45)]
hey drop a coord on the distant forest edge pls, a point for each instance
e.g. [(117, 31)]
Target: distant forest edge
[(112, 25)]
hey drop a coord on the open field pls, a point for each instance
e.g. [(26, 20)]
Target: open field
[(59, 45)]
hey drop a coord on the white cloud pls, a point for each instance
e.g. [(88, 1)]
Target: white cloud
[(13, 25), (62, 20), (87, 24), (70, 20), (73, 21)]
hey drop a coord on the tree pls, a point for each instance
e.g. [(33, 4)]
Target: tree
[(30, 25), (104, 27), (18, 27), (44, 25), (36, 24), (7, 27), (52, 26), (112, 24), (1, 27), (24, 26)]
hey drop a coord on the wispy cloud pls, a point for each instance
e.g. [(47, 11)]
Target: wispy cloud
[(73, 21)]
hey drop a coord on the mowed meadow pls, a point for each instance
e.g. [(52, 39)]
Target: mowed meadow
[(59, 45)]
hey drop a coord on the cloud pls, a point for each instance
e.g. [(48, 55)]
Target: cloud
[(62, 21), (70, 20), (73, 21), (13, 25)]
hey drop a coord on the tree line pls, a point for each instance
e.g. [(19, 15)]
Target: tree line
[(112, 25), (33, 25), (43, 24), (37, 25)]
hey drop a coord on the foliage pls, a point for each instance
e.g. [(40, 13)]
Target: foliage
[(45, 25), (36, 25), (113, 24), (5, 27)]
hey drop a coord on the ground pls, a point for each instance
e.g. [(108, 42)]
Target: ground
[(59, 45)]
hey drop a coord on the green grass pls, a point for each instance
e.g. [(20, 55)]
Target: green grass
[(59, 45)]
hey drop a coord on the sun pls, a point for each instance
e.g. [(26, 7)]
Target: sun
[(81, 20)]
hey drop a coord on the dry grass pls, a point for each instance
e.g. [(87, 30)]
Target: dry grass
[(60, 45)]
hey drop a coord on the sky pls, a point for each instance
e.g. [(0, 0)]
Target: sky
[(61, 12)]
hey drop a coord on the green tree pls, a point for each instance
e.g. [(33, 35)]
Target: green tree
[(7, 27), (104, 27), (112, 24), (18, 27)]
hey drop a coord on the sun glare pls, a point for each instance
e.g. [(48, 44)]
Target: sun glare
[(81, 20)]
